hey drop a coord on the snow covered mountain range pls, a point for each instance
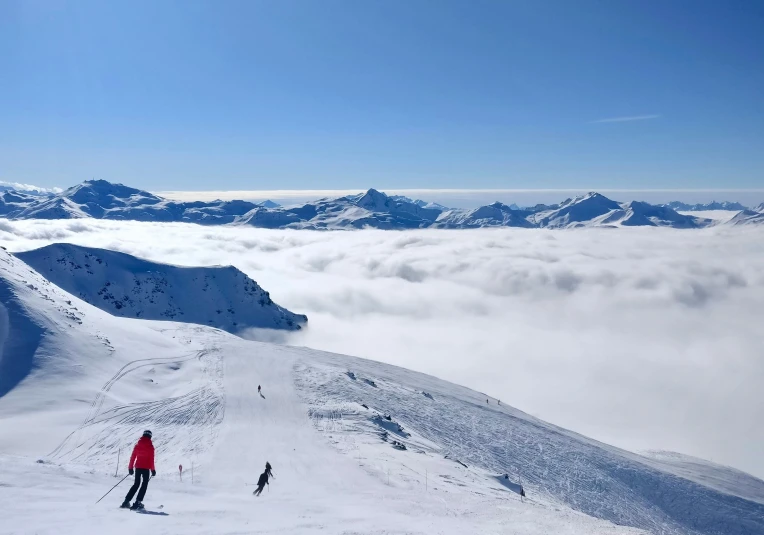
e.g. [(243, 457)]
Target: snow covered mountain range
[(373, 209), (702, 207), (357, 446)]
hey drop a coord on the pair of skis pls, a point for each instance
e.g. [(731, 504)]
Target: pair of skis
[(145, 511)]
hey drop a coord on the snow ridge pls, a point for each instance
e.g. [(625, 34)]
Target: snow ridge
[(748, 217), (126, 286), (702, 207)]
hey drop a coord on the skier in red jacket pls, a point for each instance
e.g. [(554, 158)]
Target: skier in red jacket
[(142, 460)]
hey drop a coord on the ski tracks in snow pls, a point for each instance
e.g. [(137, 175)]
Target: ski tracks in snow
[(482, 440), (188, 422)]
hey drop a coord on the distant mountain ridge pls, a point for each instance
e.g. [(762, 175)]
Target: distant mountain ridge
[(100, 199), (700, 207)]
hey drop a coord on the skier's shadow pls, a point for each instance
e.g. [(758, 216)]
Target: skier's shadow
[(261, 395), (155, 513)]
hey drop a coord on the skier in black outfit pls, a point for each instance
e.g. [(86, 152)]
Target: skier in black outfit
[(261, 483), (263, 480)]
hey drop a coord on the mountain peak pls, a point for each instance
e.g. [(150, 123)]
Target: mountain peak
[(373, 200), (593, 196), (371, 192), (99, 182), (577, 211), (98, 190)]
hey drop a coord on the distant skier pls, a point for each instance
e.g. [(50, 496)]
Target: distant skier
[(499, 401), (142, 460), (258, 389), (261, 482)]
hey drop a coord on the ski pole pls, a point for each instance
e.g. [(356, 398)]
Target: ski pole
[(111, 489)]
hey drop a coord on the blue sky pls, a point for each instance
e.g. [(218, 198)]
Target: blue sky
[(418, 94)]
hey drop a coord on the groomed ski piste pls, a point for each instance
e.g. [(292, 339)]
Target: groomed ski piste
[(356, 446)]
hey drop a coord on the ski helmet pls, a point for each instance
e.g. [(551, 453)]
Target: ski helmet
[(147, 433)]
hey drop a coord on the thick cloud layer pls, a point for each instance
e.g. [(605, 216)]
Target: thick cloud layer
[(643, 338)]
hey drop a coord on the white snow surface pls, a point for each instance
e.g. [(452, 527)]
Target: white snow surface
[(77, 387), (127, 286), (748, 217), (723, 478), (494, 215), (596, 210), (721, 216)]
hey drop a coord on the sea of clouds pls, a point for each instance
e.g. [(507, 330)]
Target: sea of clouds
[(643, 338)]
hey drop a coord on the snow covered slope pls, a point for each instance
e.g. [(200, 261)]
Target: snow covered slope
[(94, 198), (419, 202), (57, 351), (717, 216), (357, 446), (748, 217), (705, 207), (12, 202), (576, 212), (494, 215), (723, 478), (371, 209), (127, 286), (642, 214), (104, 200), (594, 210), (562, 466), (95, 381)]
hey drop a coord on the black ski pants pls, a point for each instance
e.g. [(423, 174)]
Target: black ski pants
[(259, 489), (140, 474)]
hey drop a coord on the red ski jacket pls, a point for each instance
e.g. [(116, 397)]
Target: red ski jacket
[(143, 454)]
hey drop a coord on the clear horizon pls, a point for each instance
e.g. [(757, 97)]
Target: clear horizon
[(326, 95), (457, 197)]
